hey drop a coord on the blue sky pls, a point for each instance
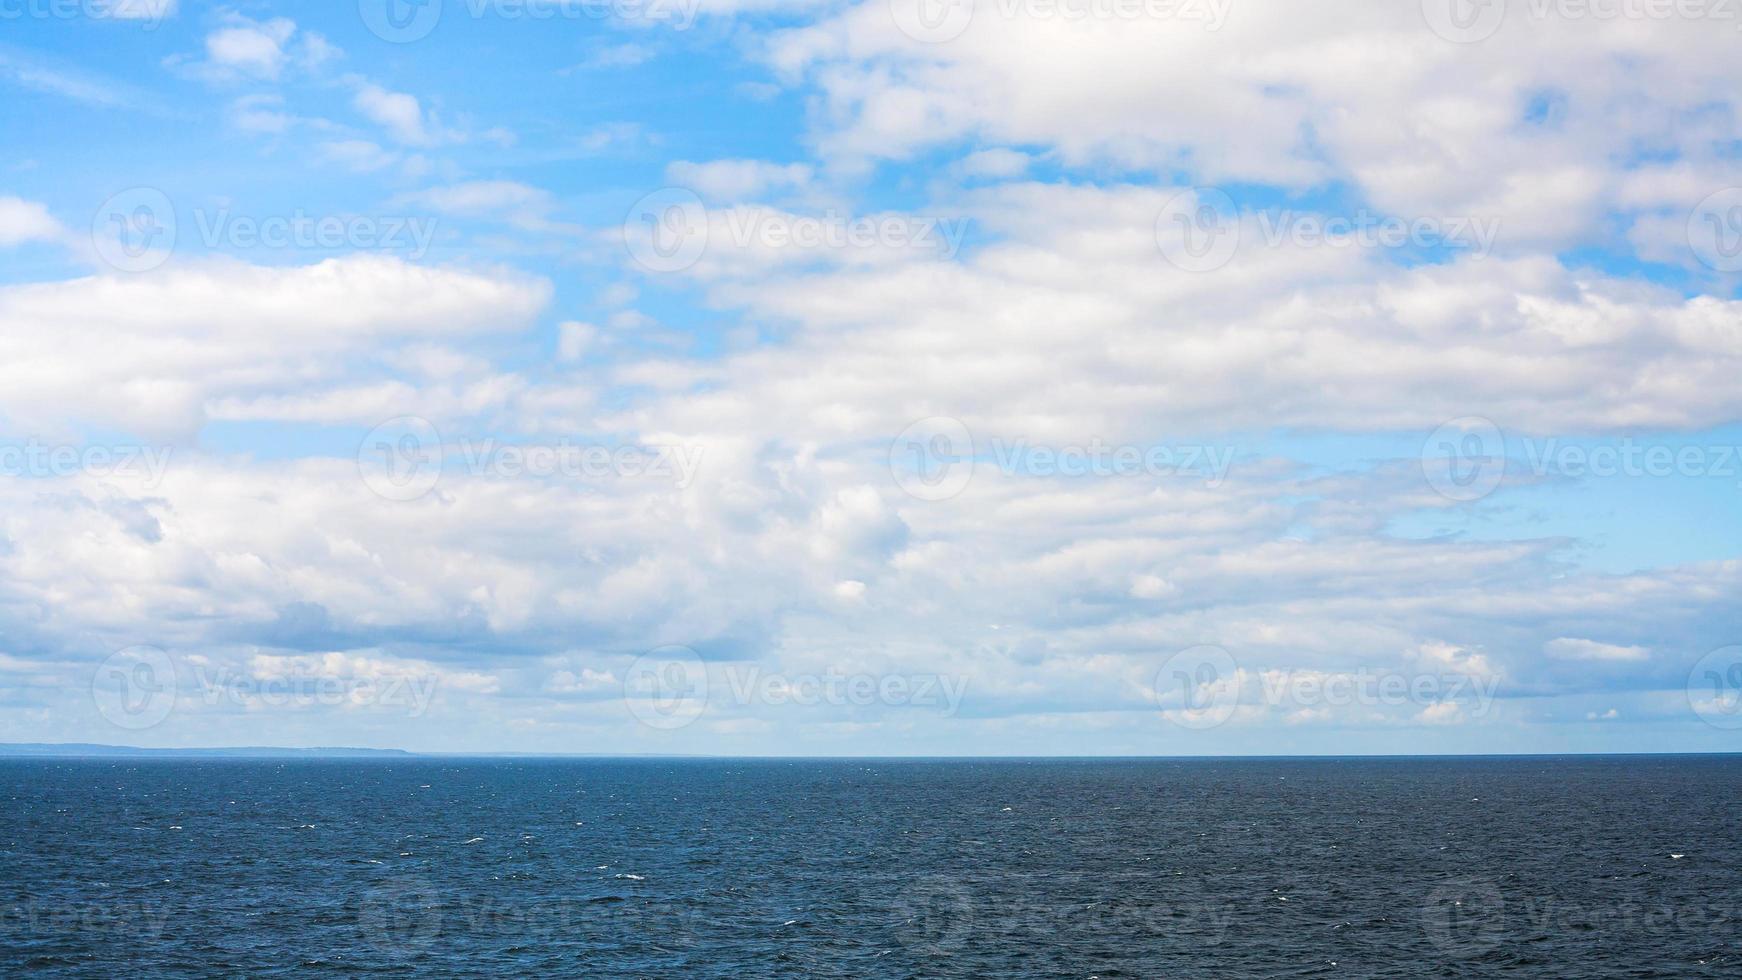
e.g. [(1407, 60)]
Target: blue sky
[(818, 378)]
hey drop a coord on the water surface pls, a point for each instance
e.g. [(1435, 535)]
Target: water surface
[(1179, 868)]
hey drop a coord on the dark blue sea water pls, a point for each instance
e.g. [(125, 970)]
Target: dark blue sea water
[(1205, 868)]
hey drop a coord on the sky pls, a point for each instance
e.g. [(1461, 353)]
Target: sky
[(901, 377)]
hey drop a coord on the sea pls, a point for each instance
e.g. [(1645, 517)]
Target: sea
[(1619, 866)]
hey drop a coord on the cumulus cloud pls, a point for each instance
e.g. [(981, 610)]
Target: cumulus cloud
[(27, 221), (154, 354), (997, 163), (361, 156), (523, 206), (1281, 93), (397, 112), (736, 180), (616, 56), (1567, 648), (796, 543), (253, 48), (1097, 333), (242, 49)]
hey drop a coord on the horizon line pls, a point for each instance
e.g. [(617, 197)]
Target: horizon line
[(103, 750)]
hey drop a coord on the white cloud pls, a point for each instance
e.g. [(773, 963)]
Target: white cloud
[(260, 113), (736, 180), (399, 113), (997, 162), (1443, 713), (27, 221), (1152, 587), (361, 156), (803, 560), (316, 51), (481, 197), (153, 353), (1096, 334), (1567, 648), (56, 79), (523, 206), (1055, 599), (585, 681), (617, 56), (1283, 93), (575, 339), (250, 47), (242, 48)]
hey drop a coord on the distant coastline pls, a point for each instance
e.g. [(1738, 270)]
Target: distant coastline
[(86, 750)]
